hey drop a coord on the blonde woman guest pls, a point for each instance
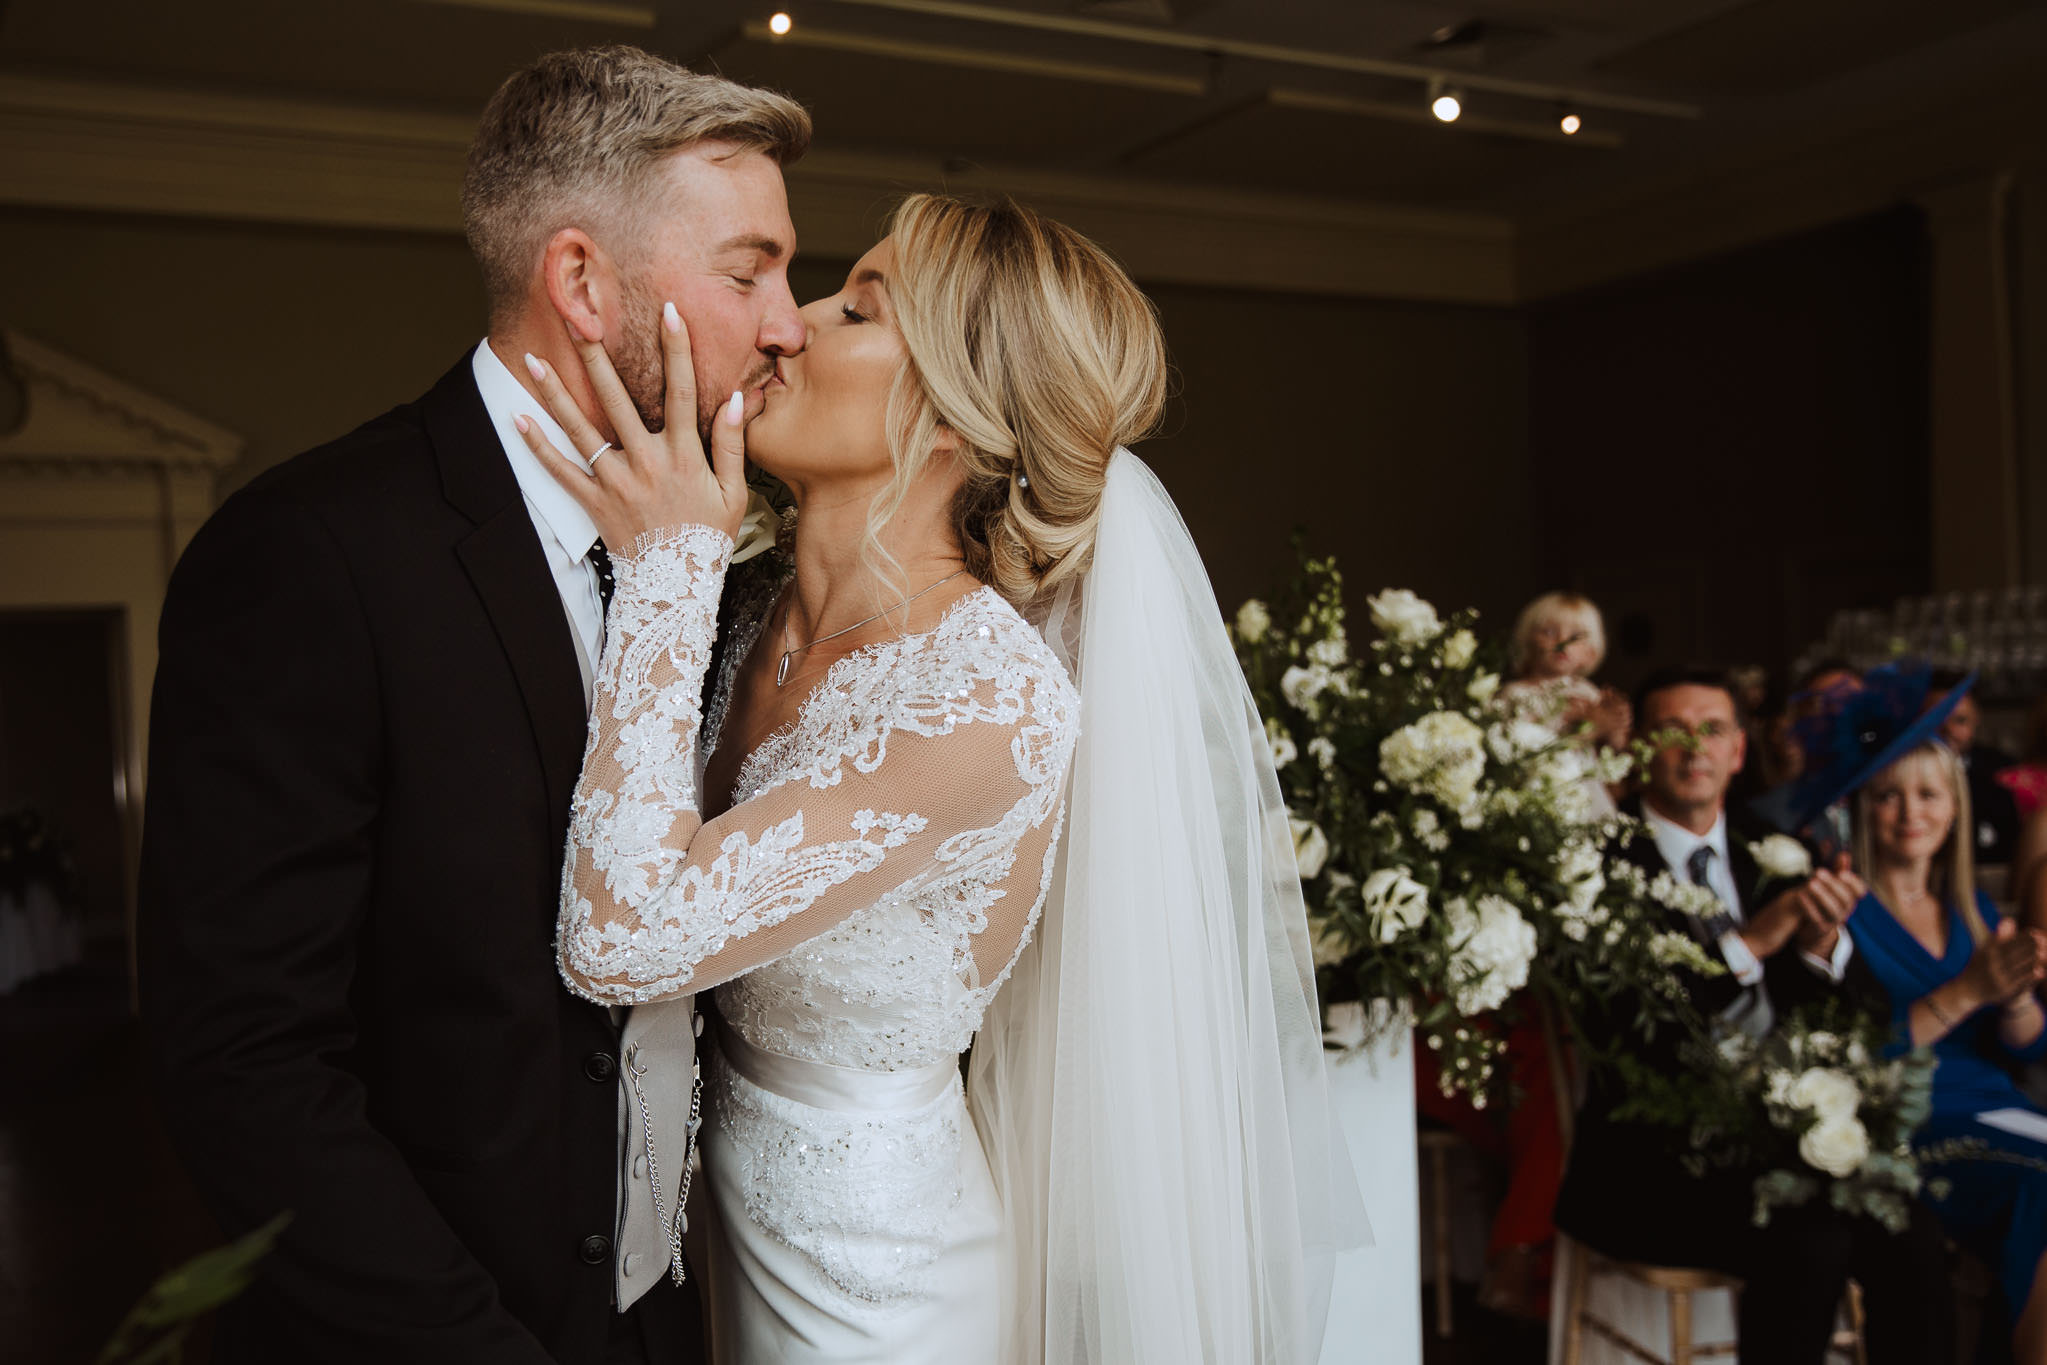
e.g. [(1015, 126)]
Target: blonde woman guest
[(1961, 980), (998, 636), (1559, 643)]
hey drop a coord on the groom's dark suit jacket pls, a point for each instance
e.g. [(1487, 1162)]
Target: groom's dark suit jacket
[(366, 728), (1625, 1190)]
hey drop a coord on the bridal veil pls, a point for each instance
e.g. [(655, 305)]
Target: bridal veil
[(1149, 1083)]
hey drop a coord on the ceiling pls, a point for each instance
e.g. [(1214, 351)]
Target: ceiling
[(1170, 92)]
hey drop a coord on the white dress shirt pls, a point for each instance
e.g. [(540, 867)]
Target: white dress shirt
[(566, 531), (1676, 844)]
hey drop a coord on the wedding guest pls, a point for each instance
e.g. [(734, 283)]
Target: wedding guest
[(2026, 779), (1815, 693), (1627, 1192), (1558, 644), (1960, 980), (1996, 823)]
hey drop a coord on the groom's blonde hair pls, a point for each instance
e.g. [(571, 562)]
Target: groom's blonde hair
[(568, 142)]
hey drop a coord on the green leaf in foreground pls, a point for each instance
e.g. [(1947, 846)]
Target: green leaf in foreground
[(155, 1329)]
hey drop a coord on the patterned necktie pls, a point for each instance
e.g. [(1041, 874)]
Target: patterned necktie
[(1699, 867), (600, 560)]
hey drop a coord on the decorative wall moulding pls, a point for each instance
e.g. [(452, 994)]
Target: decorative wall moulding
[(115, 148), (82, 422)]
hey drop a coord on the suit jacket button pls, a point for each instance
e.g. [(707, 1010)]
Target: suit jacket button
[(596, 1250), (600, 1067)]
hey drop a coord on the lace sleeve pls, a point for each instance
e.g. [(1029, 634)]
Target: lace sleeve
[(955, 791)]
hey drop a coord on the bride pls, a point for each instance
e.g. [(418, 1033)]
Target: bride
[(997, 630)]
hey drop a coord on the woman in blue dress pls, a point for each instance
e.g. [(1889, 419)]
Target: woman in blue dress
[(1961, 979)]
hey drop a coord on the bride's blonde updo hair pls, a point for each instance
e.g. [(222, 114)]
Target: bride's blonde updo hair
[(1034, 349)]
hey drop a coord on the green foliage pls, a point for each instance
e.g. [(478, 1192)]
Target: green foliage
[(155, 1329)]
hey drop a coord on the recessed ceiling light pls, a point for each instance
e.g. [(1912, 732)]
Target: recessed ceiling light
[(1570, 123), (779, 23)]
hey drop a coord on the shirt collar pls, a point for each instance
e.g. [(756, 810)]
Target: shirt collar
[(504, 397), (1677, 842)]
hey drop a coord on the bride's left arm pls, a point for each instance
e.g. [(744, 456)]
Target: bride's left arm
[(962, 783)]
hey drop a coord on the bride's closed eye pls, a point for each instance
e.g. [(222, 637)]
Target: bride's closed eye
[(851, 314)]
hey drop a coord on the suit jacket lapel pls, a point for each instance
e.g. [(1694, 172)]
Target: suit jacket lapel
[(504, 561)]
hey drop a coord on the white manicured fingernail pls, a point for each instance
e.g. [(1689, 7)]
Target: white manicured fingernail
[(671, 319), (538, 370), (735, 409), (521, 423)]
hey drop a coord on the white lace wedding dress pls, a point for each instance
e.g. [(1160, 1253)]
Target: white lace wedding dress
[(882, 865)]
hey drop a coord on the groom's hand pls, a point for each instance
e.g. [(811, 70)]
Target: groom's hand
[(646, 482)]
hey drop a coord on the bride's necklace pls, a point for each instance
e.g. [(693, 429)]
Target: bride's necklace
[(782, 668)]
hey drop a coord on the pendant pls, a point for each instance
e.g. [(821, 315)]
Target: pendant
[(782, 669)]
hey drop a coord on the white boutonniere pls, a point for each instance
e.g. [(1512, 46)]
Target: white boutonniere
[(757, 529), (1781, 858)]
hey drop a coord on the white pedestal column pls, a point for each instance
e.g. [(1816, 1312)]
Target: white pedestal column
[(1375, 1308)]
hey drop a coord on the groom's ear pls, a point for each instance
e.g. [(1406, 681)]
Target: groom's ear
[(579, 281)]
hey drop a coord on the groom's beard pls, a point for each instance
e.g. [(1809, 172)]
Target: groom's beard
[(636, 356)]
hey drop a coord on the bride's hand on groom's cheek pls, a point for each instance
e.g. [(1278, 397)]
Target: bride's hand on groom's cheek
[(644, 482)]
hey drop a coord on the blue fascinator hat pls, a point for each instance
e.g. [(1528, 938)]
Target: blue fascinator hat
[(1858, 731)]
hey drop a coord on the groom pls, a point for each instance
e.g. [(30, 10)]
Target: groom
[(368, 718)]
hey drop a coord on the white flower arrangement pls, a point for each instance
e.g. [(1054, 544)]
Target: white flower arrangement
[(1813, 1104), (1444, 847)]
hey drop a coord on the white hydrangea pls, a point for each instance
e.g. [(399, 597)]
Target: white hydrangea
[(1491, 947), (1395, 903), (1331, 651), (1460, 649), (1515, 739), (1301, 686), (1253, 620), (1403, 617), (1442, 755)]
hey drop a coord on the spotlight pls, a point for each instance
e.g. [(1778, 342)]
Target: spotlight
[(1570, 123), (779, 23), (1445, 102)]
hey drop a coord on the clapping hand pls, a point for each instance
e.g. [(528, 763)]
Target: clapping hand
[(645, 482), (1824, 904), (2006, 965)]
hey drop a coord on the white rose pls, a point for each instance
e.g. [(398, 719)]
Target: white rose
[(1483, 687), (757, 529), (1253, 620), (1837, 1146), (1491, 948), (1283, 751), (1322, 750), (1311, 847), (1459, 649), (1395, 901), (1829, 1093), (1407, 619), (1782, 856), (1344, 1024), (1779, 1088)]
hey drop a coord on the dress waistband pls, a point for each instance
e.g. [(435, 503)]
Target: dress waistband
[(823, 1085)]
